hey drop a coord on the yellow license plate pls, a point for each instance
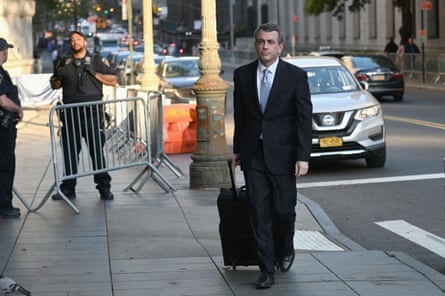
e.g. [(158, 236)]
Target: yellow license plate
[(379, 77), (331, 142)]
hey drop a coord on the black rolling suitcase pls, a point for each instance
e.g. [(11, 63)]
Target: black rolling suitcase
[(237, 241)]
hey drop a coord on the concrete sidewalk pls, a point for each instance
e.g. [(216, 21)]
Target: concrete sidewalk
[(157, 243)]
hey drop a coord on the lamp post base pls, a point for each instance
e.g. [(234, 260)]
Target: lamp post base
[(209, 172), (209, 167)]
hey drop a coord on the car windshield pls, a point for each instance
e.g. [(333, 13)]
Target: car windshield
[(371, 62), (182, 69), (330, 80)]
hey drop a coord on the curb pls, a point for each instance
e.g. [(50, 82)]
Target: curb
[(328, 226)]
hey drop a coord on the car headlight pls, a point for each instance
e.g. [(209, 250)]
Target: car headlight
[(368, 112)]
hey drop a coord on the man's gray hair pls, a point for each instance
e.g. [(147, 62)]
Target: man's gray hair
[(270, 27)]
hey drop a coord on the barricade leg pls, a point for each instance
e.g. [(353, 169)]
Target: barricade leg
[(48, 194), (163, 159), (22, 199), (151, 172)]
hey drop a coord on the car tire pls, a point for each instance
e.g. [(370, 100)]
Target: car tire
[(377, 158), (398, 98)]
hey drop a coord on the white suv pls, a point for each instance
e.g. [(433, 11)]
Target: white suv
[(347, 120)]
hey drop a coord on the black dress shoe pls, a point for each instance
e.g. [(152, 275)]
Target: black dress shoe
[(9, 212), (70, 195), (106, 195), (265, 281), (285, 263)]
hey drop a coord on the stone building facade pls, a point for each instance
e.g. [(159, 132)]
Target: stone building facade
[(16, 27), (369, 29)]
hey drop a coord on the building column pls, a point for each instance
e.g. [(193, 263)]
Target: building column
[(209, 167)]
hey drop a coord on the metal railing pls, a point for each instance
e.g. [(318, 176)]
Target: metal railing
[(428, 67)]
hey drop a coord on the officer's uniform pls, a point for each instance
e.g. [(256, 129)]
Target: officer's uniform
[(79, 85), (8, 135)]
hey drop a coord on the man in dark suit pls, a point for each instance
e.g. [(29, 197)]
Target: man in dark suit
[(272, 143)]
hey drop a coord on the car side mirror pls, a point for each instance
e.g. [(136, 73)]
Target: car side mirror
[(364, 85)]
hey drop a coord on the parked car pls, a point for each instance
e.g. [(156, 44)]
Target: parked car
[(157, 49), (124, 67), (138, 66), (347, 120), (106, 46), (115, 58), (329, 53), (173, 49), (125, 41), (381, 74), (177, 77)]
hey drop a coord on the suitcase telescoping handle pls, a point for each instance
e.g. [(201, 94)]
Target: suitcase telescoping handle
[(232, 178)]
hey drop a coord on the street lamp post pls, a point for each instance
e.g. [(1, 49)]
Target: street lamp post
[(209, 167), (232, 33), (148, 80), (425, 6)]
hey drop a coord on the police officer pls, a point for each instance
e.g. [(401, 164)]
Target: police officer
[(81, 76), (10, 114)]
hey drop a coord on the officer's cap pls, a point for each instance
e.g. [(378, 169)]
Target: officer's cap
[(4, 44)]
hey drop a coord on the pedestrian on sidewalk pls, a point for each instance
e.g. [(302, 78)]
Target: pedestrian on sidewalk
[(390, 47), (412, 50), (10, 114), (400, 56), (272, 143), (81, 75)]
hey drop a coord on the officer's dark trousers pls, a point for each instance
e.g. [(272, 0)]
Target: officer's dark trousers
[(272, 201), (89, 128), (7, 165)]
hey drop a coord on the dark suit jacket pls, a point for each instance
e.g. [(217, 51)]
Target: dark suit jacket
[(286, 124)]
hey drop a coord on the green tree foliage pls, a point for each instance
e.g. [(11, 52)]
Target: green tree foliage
[(337, 7), (43, 15), (48, 12)]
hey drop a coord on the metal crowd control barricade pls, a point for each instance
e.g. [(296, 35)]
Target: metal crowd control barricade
[(158, 157), (115, 132)]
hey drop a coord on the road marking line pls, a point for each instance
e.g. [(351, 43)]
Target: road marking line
[(426, 239), (314, 241), (372, 180), (416, 121)]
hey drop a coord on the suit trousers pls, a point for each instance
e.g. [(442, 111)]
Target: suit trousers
[(272, 201)]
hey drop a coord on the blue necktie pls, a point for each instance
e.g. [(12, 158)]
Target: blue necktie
[(265, 87)]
